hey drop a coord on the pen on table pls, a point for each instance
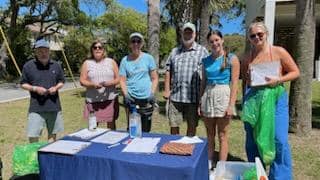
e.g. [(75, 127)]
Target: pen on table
[(114, 145)]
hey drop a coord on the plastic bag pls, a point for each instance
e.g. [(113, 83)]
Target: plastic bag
[(250, 174), (259, 111), (25, 159)]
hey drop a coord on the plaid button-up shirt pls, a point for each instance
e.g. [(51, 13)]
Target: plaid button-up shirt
[(184, 66)]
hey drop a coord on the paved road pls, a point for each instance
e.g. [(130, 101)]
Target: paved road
[(11, 91)]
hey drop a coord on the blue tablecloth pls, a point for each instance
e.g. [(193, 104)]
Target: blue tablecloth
[(98, 162)]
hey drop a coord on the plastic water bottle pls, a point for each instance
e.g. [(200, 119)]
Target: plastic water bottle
[(92, 122), (134, 123)]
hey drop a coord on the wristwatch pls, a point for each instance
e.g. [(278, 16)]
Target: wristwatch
[(34, 88)]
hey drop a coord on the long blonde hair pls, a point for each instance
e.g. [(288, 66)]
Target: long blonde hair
[(258, 24)]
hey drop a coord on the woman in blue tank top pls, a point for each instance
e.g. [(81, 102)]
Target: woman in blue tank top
[(219, 84)]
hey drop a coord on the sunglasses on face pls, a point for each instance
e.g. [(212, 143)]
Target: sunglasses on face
[(133, 41), (97, 47), (259, 34)]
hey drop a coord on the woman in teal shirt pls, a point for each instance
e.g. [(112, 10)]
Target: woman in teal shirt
[(138, 79), (219, 71)]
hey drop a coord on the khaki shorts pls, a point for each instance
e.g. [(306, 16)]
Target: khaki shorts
[(178, 112), (38, 120), (215, 101)]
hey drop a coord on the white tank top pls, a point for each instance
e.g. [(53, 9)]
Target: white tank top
[(99, 72)]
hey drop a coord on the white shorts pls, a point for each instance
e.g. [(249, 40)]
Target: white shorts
[(215, 100)]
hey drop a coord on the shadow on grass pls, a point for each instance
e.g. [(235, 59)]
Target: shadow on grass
[(316, 116), (230, 157), (26, 177), (81, 93), (162, 107)]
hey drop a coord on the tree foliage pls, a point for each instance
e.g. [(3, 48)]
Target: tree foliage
[(201, 12), (50, 16), (114, 28), (117, 24), (235, 43)]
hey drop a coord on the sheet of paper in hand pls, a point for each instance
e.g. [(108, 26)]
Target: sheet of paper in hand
[(260, 71)]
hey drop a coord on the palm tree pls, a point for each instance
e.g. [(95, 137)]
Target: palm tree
[(154, 28), (209, 14), (300, 90), (204, 11), (180, 12)]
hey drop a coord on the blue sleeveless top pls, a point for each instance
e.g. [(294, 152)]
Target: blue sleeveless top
[(212, 68)]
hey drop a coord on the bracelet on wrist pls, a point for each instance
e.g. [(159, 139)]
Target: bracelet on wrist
[(34, 88)]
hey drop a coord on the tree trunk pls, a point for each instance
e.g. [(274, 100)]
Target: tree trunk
[(154, 28), (14, 6), (3, 61), (204, 22), (185, 8), (300, 90)]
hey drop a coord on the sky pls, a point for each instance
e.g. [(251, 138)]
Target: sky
[(229, 26)]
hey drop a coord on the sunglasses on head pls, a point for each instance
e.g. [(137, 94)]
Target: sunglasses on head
[(97, 47), (259, 34), (133, 41)]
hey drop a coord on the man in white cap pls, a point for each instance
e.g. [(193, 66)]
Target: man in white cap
[(43, 77), (182, 81)]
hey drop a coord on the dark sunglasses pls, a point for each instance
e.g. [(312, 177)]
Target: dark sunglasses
[(259, 34), (138, 41), (97, 47)]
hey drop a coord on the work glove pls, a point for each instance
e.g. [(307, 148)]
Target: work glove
[(151, 99), (128, 100)]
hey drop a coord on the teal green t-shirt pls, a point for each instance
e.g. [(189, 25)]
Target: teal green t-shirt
[(137, 73)]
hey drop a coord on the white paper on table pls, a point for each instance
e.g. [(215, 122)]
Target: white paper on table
[(188, 140), (65, 147), (142, 145), (86, 134), (110, 137), (260, 71)]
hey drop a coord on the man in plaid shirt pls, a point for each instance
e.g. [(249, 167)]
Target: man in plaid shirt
[(182, 81)]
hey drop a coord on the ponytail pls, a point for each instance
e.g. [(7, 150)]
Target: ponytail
[(225, 59)]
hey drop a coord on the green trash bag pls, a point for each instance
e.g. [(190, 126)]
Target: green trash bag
[(25, 159), (259, 111)]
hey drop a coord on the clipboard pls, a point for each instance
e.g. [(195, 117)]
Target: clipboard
[(258, 72)]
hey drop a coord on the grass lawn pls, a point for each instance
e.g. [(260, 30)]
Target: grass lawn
[(305, 150)]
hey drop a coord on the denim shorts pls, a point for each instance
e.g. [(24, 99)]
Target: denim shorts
[(38, 120)]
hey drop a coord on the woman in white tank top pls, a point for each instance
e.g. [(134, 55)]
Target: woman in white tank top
[(100, 76)]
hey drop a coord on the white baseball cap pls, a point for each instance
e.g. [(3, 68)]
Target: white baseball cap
[(136, 34), (41, 43), (189, 25)]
